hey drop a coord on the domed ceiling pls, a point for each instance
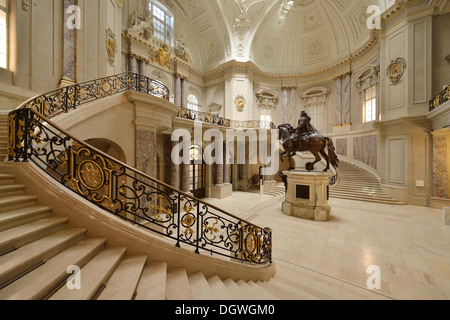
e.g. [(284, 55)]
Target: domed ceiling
[(279, 36)]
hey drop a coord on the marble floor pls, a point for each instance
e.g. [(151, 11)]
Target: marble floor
[(409, 244)]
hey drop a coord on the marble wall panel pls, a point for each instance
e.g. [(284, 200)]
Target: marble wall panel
[(342, 147), (365, 150), (440, 167)]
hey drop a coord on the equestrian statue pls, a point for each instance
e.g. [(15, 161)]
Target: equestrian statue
[(306, 138)]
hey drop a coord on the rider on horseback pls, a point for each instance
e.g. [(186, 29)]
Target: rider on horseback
[(305, 129)]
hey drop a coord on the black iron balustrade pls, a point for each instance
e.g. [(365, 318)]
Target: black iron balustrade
[(440, 99), (71, 97), (132, 195)]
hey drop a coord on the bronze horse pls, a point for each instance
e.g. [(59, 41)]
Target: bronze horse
[(302, 142)]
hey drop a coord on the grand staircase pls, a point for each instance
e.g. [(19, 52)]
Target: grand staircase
[(356, 183), (3, 135), (37, 250)]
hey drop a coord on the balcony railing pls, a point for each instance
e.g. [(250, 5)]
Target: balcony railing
[(440, 99)]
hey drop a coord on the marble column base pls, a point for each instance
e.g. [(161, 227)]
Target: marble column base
[(307, 195), (446, 216), (221, 191)]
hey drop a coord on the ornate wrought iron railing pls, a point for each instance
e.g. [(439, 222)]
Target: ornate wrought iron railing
[(71, 97), (204, 117), (440, 99), (132, 195)]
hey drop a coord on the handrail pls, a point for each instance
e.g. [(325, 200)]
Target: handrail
[(130, 194), (440, 99), (68, 98)]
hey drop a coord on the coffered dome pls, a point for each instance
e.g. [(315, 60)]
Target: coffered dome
[(306, 35)]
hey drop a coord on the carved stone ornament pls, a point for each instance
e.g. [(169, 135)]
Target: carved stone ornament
[(240, 103), (396, 70), (163, 56), (111, 46)]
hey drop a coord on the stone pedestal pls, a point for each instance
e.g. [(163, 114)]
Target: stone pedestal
[(221, 191), (307, 195), (446, 215)]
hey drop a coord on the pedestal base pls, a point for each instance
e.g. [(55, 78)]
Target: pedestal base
[(307, 195), (221, 191), (446, 214)]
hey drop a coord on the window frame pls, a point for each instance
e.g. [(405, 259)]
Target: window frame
[(373, 106), (168, 27), (196, 106), (7, 40)]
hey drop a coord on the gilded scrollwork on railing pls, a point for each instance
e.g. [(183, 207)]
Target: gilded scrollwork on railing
[(189, 114), (440, 99), (132, 195), (71, 97)]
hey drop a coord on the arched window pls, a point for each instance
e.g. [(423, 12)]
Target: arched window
[(162, 21), (315, 102), (4, 34), (193, 103)]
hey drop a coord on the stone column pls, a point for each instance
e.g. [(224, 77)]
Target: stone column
[(174, 171), (285, 106), (185, 182), (178, 91), (184, 93), (347, 99), (132, 65), (142, 68), (219, 174), (69, 46), (338, 105), (293, 107)]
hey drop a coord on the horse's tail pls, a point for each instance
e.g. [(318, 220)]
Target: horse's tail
[(332, 154)]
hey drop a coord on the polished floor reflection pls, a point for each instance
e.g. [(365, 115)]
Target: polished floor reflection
[(409, 244)]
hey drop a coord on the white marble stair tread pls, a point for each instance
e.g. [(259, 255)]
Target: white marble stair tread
[(220, 290), (24, 259), (123, 283), (235, 290), (41, 282), (286, 291), (249, 292), (200, 288), (15, 218), (93, 275), (11, 190), (152, 285), (262, 293), (16, 202), (6, 179), (177, 285), (27, 233)]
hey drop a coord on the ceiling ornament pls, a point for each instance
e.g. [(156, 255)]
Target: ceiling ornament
[(243, 22), (396, 70)]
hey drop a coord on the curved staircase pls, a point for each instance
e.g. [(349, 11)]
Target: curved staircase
[(358, 184), (36, 250)]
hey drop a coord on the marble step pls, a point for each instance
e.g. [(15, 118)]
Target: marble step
[(262, 293), (42, 282), (219, 289), (22, 216), (200, 288), (11, 190), (177, 285), (94, 275), (17, 237), (152, 285), (360, 194), (123, 283), (6, 179), (21, 261), (16, 202), (369, 199), (235, 290)]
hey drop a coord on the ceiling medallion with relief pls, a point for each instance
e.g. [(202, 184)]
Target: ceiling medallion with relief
[(396, 70)]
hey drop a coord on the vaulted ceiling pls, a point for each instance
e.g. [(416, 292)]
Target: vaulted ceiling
[(280, 36)]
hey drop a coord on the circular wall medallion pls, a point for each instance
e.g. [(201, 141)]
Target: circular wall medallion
[(240, 103), (396, 70), (91, 175)]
